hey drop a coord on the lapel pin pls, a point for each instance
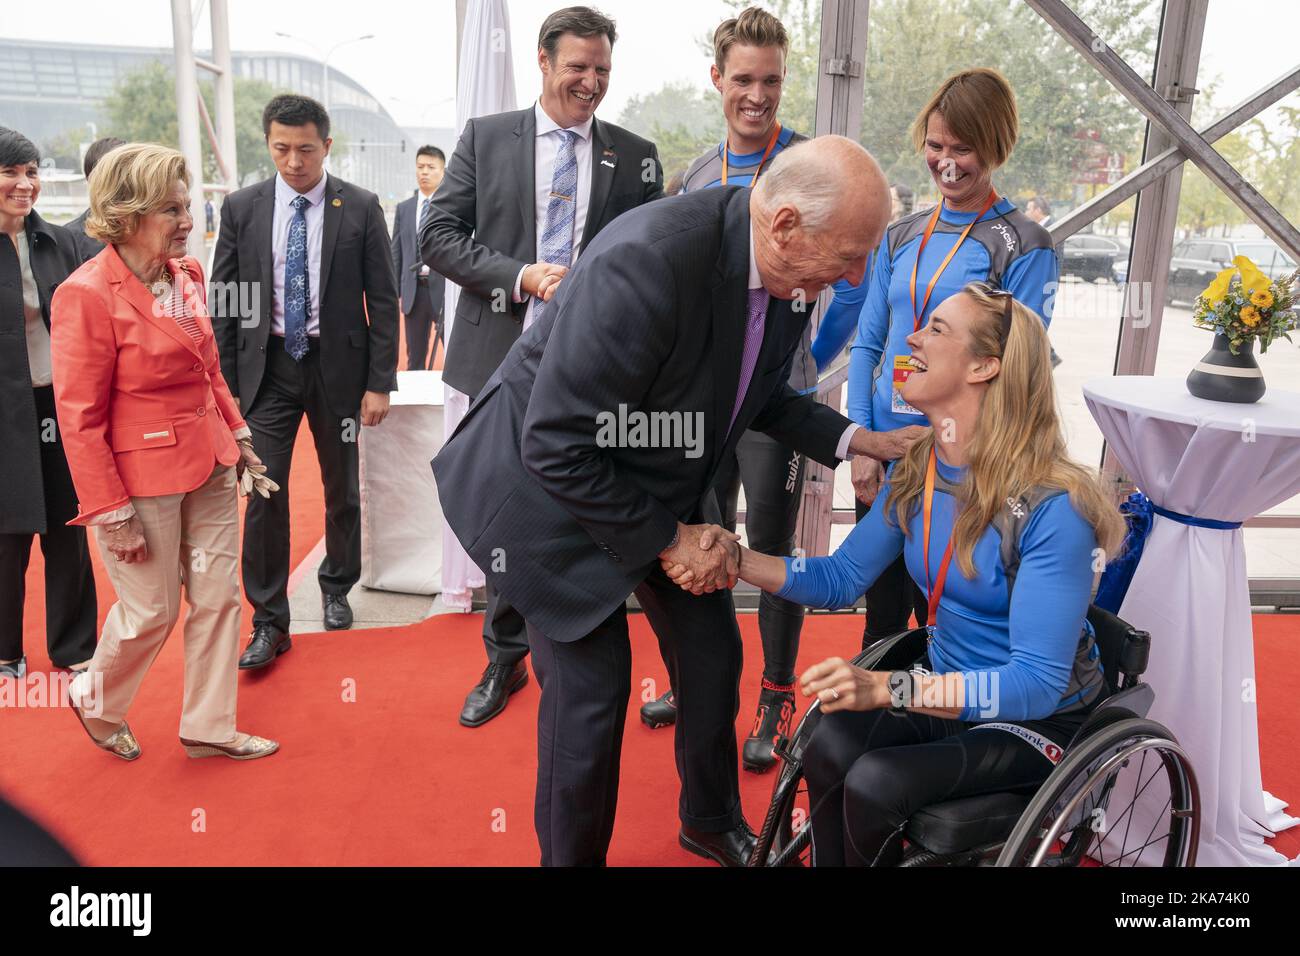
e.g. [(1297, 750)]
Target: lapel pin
[(608, 152), (336, 203)]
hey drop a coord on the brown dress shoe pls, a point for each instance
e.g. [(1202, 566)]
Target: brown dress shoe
[(243, 747)]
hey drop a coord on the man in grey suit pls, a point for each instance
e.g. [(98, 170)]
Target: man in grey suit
[(590, 456), (524, 195), (422, 289)]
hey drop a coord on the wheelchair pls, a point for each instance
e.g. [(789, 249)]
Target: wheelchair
[(1067, 817)]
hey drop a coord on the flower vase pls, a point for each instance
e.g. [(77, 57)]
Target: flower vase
[(1223, 377)]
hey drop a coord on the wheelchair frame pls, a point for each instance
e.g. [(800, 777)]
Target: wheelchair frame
[(1115, 733)]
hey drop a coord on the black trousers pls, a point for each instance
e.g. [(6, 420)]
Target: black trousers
[(504, 636), (69, 581), (893, 598), (289, 390), (585, 689), (425, 316), (868, 772), (772, 476)]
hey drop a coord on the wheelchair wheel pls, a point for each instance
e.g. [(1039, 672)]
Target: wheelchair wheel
[(1085, 807)]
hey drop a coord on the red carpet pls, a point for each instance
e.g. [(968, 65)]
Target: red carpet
[(374, 768)]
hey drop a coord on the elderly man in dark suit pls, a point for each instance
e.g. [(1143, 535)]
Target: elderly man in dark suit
[(422, 289), (304, 308), (590, 455), (524, 195)]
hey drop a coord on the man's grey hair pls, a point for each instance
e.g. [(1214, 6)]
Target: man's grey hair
[(803, 185)]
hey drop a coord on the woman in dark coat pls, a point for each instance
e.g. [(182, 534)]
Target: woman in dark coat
[(38, 495)]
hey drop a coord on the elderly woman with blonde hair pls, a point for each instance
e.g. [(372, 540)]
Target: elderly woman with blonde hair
[(156, 446)]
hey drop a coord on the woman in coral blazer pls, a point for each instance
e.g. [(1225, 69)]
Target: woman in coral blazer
[(156, 445)]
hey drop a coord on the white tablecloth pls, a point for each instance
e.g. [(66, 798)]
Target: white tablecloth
[(401, 520), (1229, 463)]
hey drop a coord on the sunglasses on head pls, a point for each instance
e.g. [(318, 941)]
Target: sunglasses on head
[(1007, 298)]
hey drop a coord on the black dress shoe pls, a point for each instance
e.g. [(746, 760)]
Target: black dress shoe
[(489, 696), (660, 712), (337, 612), (774, 719), (268, 643), (729, 848)]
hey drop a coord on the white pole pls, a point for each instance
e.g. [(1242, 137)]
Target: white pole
[(225, 89), (187, 116)]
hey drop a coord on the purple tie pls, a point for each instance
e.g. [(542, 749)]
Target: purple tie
[(758, 299)]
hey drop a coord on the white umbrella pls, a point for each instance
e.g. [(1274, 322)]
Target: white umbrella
[(486, 85)]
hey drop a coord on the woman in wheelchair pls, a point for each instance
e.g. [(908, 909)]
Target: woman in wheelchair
[(1011, 671)]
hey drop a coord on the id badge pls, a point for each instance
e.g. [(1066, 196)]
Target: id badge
[(897, 405)]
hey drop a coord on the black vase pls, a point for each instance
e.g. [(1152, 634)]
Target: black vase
[(1223, 377)]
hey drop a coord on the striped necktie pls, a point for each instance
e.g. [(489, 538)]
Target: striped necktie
[(561, 211)]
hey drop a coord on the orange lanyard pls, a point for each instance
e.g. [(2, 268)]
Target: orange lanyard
[(929, 229), (935, 589), (771, 145)]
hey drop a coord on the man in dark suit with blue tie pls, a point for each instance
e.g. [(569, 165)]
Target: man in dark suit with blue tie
[(422, 289), (589, 457), (304, 309), (526, 192)]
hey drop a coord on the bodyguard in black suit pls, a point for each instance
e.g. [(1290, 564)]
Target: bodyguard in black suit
[(304, 308), (422, 290), (589, 456), (488, 232), (87, 246), (36, 492)]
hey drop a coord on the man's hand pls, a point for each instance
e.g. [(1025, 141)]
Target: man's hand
[(705, 558), (886, 446), (542, 279), (867, 476), (374, 407)]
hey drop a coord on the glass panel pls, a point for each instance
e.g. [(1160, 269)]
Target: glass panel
[(1266, 150)]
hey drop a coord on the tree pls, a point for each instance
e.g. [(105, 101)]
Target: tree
[(142, 108), (682, 120)]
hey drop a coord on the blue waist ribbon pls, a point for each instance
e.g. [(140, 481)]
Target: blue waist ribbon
[(1139, 514)]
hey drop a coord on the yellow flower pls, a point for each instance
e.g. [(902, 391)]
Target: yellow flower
[(1262, 298), (1250, 315)]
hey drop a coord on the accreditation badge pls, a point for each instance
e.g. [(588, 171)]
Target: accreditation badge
[(902, 369)]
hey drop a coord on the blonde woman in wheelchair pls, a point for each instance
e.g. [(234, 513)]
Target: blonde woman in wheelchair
[(1011, 671)]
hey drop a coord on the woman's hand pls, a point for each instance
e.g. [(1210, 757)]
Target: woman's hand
[(125, 541), (841, 686), (246, 457), (250, 472), (867, 475), (712, 535)]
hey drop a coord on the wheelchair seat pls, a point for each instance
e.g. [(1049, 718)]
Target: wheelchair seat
[(960, 825)]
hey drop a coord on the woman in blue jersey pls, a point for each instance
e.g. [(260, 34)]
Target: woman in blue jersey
[(966, 132), (1010, 672)]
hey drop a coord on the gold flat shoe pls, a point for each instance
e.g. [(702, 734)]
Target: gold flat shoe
[(121, 743), (250, 748)]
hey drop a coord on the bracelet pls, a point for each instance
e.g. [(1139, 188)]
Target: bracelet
[(117, 526)]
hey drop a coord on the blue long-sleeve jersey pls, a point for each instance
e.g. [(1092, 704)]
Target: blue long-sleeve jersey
[(1029, 640), (1005, 247)]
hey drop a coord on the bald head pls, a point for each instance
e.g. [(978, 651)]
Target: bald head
[(817, 213)]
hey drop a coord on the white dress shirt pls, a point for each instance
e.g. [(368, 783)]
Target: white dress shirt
[(546, 146), (756, 282), (315, 214)]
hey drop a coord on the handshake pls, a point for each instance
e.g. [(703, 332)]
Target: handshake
[(704, 558)]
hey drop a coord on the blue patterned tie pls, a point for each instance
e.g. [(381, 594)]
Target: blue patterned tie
[(297, 294), (424, 213), (561, 211)]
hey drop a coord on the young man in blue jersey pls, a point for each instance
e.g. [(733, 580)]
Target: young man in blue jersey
[(749, 72)]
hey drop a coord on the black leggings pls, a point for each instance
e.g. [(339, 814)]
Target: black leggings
[(869, 771), (773, 478)]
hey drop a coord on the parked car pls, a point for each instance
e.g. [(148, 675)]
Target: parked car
[(1196, 262), (1092, 257)]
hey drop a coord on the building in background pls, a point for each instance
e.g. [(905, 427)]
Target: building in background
[(50, 88)]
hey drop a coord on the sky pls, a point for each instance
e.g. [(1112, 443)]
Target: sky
[(410, 64)]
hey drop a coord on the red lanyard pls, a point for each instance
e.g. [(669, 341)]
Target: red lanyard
[(925, 238), (771, 145), (935, 589)]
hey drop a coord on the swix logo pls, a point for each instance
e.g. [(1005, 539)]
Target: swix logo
[(792, 474)]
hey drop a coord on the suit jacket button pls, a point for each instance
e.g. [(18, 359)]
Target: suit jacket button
[(197, 368), (200, 411)]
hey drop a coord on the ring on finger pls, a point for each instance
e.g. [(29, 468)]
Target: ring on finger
[(835, 695)]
